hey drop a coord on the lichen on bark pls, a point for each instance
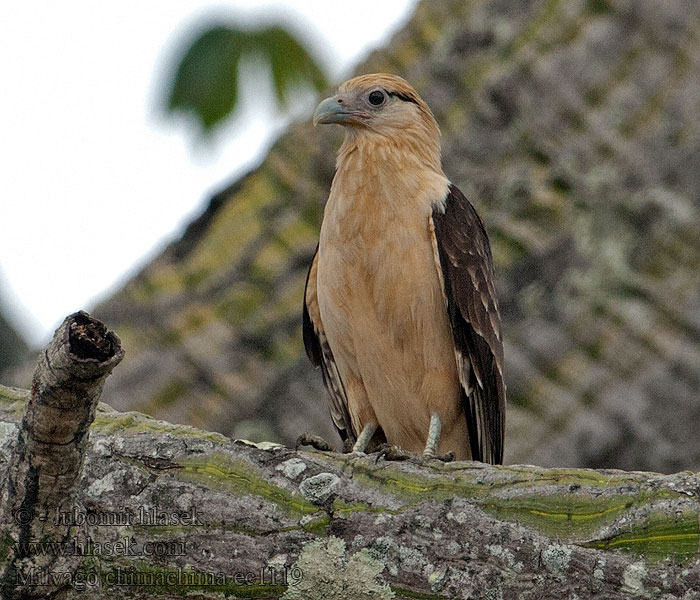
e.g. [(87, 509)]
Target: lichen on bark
[(457, 530)]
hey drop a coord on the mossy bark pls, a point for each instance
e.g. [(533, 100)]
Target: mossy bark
[(168, 510)]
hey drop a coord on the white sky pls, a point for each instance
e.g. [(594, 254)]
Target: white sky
[(88, 164)]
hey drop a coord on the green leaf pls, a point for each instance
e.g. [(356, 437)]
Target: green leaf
[(206, 82), (291, 65)]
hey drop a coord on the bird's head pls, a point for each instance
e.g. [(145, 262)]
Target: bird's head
[(382, 108)]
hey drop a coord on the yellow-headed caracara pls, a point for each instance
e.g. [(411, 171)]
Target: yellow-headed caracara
[(400, 310)]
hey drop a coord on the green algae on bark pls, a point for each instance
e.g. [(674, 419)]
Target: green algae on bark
[(424, 530)]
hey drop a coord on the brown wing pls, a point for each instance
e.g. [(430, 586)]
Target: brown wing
[(320, 354), (467, 273)]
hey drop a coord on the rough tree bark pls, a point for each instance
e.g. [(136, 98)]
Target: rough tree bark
[(166, 510), (45, 463)]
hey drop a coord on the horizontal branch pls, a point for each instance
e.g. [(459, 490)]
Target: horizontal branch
[(172, 510)]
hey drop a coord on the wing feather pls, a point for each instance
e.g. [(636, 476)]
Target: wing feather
[(320, 354), (466, 268)]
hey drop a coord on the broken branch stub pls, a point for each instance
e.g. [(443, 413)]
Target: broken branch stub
[(46, 461)]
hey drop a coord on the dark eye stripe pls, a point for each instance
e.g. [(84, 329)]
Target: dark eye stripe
[(404, 97)]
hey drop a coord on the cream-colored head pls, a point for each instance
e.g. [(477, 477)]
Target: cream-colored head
[(383, 109)]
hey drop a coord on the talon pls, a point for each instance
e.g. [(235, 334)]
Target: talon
[(449, 457), (394, 453), (315, 441)]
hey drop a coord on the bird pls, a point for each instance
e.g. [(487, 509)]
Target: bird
[(400, 310)]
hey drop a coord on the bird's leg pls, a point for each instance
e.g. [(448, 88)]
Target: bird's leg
[(431, 444), (364, 438), (395, 453)]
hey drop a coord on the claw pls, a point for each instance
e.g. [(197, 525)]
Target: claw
[(390, 452), (315, 441), (449, 457)]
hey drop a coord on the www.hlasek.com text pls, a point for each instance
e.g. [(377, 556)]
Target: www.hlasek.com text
[(125, 546)]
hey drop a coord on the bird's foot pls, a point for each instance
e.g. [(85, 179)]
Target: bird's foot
[(315, 441), (449, 457), (390, 452)]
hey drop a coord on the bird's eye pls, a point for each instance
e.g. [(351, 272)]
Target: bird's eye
[(376, 98)]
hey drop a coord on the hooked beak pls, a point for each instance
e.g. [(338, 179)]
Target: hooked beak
[(331, 111)]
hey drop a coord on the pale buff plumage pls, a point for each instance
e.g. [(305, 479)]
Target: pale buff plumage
[(375, 293)]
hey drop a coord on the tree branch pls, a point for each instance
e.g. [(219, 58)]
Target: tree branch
[(169, 510), (45, 464)]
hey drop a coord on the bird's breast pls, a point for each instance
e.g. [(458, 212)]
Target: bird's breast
[(383, 310), (377, 277)]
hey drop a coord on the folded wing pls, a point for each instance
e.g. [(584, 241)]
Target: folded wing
[(466, 268), (320, 354)]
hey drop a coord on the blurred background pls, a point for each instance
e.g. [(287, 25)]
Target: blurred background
[(160, 171)]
